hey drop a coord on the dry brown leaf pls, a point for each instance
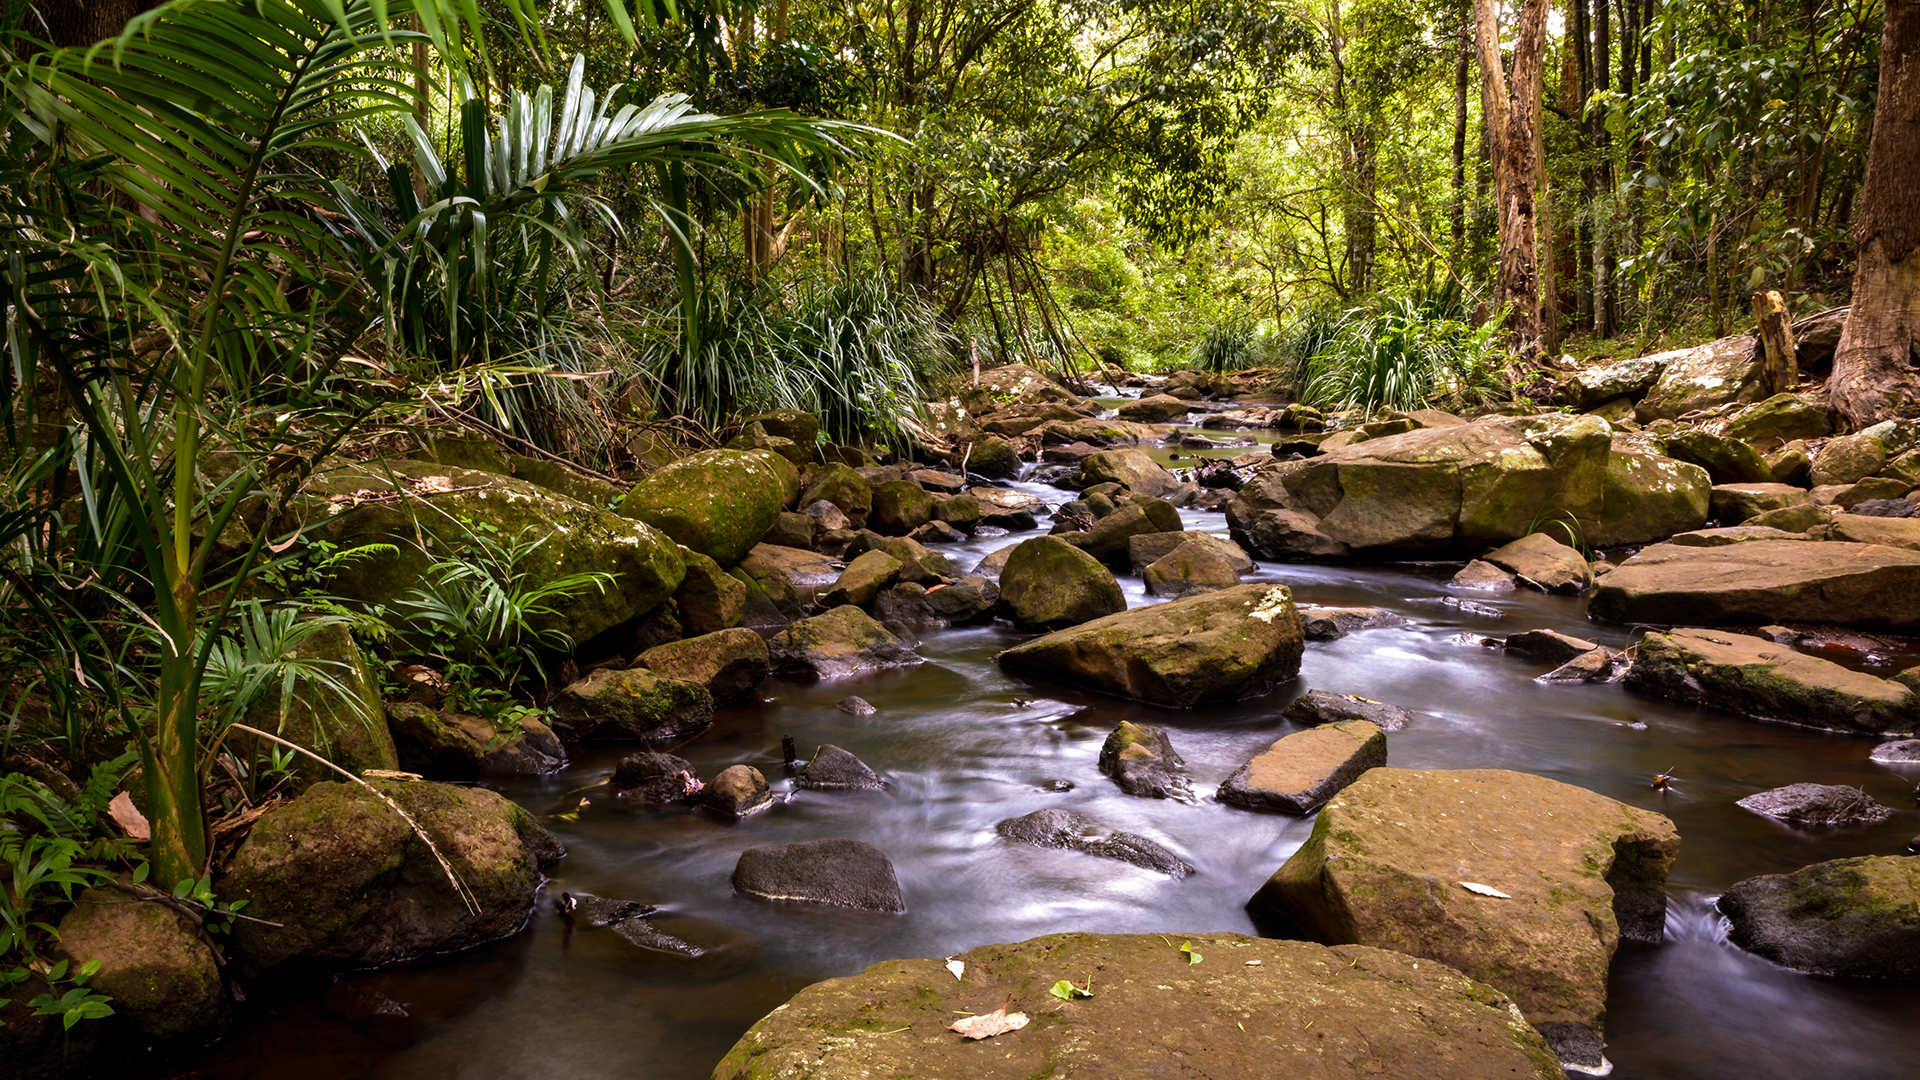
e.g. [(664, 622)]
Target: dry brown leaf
[(989, 1025), (129, 818), (433, 483)]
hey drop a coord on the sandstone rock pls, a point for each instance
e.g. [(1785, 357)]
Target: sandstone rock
[(910, 608), (1157, 409), (1073, 832), (717, 502), (456, 746), (709, 598), (1148, 548), (1328, 624), (1141, 759), (1387, 858), (1109, 538), (1718, 373), (1316, 707), (1649, 498), (834, 769), (1549, 646), (790, 530), (729, 663), (1382, 1016), (1134, 470), (164, 981), (797, 425), (841, 487), (994, 563), (1048, 582), (1303, 770), (1817, 804), (995, 459), (1219, 646), (1594, 665), (899, 507), (862, 580), (920, 564), (1849, 459), (1545, 563), (1870, 586), (1872, 489), (739, 791), (843, 873), (1756, 677), (1791, 464), (1849, 917), (1727, 461), (844, 641), (631, 705), (1794, 519), (1737, 534), (1190, 568), (1024, 384), (1622, 379), (1781, 418), (1732, 504), (1482, 577)]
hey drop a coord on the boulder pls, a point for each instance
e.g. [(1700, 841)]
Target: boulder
[(1647, 498), (1727, 461), (1849, 917), (1732, 504), (844, 641), (1755, 677), (1871, 586), (1157, 409), (991, 566), (912, 607), (919, 564), (1219, 646), (1897, 752), (1796, 519), (1153, 1014), (1718, 373), (961, 511), (1316, 707), (717, 502), (1874, 489), (353, 887), (790, 530), (1048, 582), (995, 459), (1817, 804), (1849, 459), (1791, 464), (899, 507), (729, 663), (834, 769), (797, 425), (843, 873), (650, 776), (1148, 548), (827, 518), (631, 705), (163, 978), (456, 746), (1141, 759), (1285, 535), (1779, 419), (739, 791), (862, 580), (709, 598), (1545, 563), (1595, 386), (1021, 383), (1549, 646), (1134, 470), (1482, 577), (755, 437), (1301, 771), (1329, 624), (1107, 540), (842, 487), (1594, 665), (1069, 831), (334, 710), (1391, 857), (1190, 568)]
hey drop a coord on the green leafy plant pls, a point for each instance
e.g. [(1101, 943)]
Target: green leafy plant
[(1066, 991), (1403, 351), (1233, 344)]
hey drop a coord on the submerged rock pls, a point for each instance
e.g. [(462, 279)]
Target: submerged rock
[(1848, 917), (1141, 759), (1317, 707), (1303, 770), (1073, 832), (1818, 804), (844, 641), (1767, 680), (842, 873)]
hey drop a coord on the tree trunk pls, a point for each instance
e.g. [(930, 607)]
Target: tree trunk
[(1776, 341), (1876, 371), (1511, 106), (1459, 209)]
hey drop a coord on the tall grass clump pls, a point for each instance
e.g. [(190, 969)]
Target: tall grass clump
[(1404, 351), (1232, 344)]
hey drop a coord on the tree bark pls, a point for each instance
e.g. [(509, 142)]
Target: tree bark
[(1876, 371), (1458, 210), (1511, 107), (1776, 341)]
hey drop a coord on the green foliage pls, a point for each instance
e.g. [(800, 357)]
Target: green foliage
[(1232, 345), (1404, 351)]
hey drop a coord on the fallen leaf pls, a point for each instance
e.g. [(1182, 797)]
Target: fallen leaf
[(1066, 991), (433, 483), (129, 818), (958, 967), (1484, 890), (1192, 957), (989, 1025)]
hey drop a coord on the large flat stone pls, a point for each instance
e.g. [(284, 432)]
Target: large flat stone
[(1871, 586), (1766, 680), (1299, 772)]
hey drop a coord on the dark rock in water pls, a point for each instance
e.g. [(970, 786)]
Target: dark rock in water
[(739, 790), (1578, 1047), (1889, 508), (844, 641), (1056, 785), (1303, 770), (631, 705), (1593, 665), (1898, 752), (648, 936), (600, 910), (856, 706), (1073, 832), (1142, 761), (1468, 607), (729, 663), (1475, 640), (1849, 917), (845, 873), (1328, 624), (363, 1005), (456, 746), (1218, 473), (937, 532), (910, 608), (1317, 707), (1818, 804), (834, 769), (1549, 646), (1913, 846), (653, 777), (1482, 577)]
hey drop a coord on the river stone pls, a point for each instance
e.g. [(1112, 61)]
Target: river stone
[(739, 790), (1766, 680), (912, 608), (1158, 409), (1220, 646), (790, 529), (709, 598), (961, 511), (1048, 582), (1798, 519), (164, 981), (1302, 770), (1142, 760), (1370, 1013), (995, 459), (1149, 548), (1024, 384), (629, 705), (650, 776), (1849, 917), (1596, 386), (353, 887), (834, 769), (844, 641), (843, 873), (1110, 536), (862, 580), (1550, 646), (1781, 418), (899, 507), (717, 502), (1732, 504), (844, 488), (1328, 624), (1284, 535), (919, 563), (1817, 804), (1791, 464), (346, 726), (1545, 563), (1736, 534), (827, 518), (1134, 470), (1190, 568), (994, 563), (1727, 461), (1869, 586), (1649, 498), (1069, 831), (1721, 372), (456, 746), (1849, 459), (1594, 665), (1898, 752), (729, 663), (1482, 577), (1387, 856)]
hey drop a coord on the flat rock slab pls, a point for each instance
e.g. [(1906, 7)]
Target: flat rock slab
[(1755, 677), (1817, 804), (1253, 1008), (1388, 857), (1299, 772), (1069, 831), (844, 873), (1320, 707), (1872, 586), (1855, 917)]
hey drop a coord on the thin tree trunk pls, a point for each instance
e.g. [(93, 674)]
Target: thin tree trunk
[(1511, 106), (1458, 209)]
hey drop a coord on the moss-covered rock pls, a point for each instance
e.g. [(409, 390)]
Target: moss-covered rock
[(1134, 470), (1647, 497), (1849, 459), (1727, 461), (961, 511), (1849, 917), (708, 599), (631, 705), (1048, 582), (844, 641), (1192, 567), (1109, 537), (163, 979), (729, 663), (554, 476), (455, 746), (1733, 504), (796, 425), (899, 507), (717, 502), (994, 458), (1721, 372), (343, 721), (1753, 676), (352, 885), (843, 487), (1779, 419), (862, 580)]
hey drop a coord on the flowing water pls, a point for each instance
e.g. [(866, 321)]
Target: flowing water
[(960, 753)]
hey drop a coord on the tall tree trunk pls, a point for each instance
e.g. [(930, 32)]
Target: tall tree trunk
[(1876, 372), (1458, 210), (1511, 107)]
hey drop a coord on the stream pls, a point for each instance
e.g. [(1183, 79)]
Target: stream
[(961, 754)]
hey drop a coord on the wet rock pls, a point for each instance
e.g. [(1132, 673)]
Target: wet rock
[(862, 580), (834, 769), (1284, 535), (709, 599), (1733, 504), (991, 566), (1190, 568), (590, 910), (842, 642), (899, 507), (841, 487), (1549, 646), (1305, 769), (1727, 461), (1752, 676), (631, 705), (1482, 577), (716, 502), (1388, 855), (164, 981), (654, 777), (1849, 917), (1382, 1016), (1220, 646), (1328, 624), (1647, 497), (1109, 537), (352, 887), (1141, 759), (1134, 470), (855, 706), (1544, 563), (344, 726), (962, 512), (1316, 707), (995, 459), (729, 663), (1718, 373), (739, 790), (843, 873), (913, 608), (1056, 786), (935, 480), (1148, 548), (1817, 804), (1069, 831), (919, 564), (1050, 583), (1592, 666), (456, 746), (1158, 409), (1898, 752), (1844, 584)]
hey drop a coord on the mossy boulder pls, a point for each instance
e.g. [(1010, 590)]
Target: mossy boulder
[(353, 886), (899, 507), (1780, 419), (1849, 459), (1753, 676), (1192, 567), (1017, 383), (558, 477), (335, 711), (843, 487), (717, 502), (1733, 504), (994, 458), (919, 563), (796, 425), (708, 599), (455, 746), (844, 641), (862, 580), (1390, 859), (729, 663), (1134, 470), (1109, 537), (1721, 372), (1727, 461), (1219, 646), (163, 979), (1361, 1012), (1048, 582), (1848, 917), (1648, 497), (1596, 386), (631, 705), (963, 512)]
